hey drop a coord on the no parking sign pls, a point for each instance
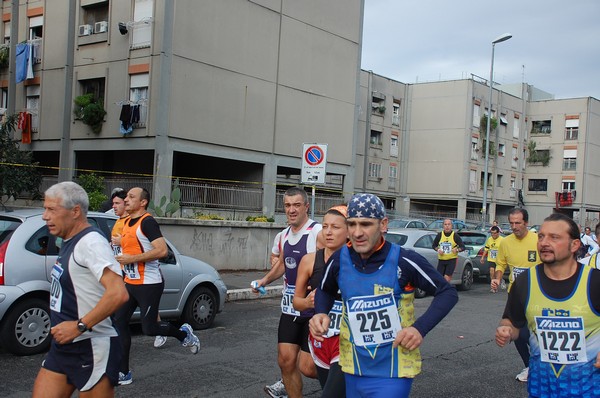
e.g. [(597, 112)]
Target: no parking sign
[(314, 162)]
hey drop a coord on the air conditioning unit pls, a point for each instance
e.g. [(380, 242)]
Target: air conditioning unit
[(100, 27), (85, 30)]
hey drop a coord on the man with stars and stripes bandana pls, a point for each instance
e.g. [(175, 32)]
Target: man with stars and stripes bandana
[(379, 335)]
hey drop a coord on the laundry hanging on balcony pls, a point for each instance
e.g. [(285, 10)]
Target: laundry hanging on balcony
[(565, 198), (24, 62), (130, 114), (24, 124)]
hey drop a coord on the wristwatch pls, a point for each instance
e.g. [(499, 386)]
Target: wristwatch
[(82, 327)]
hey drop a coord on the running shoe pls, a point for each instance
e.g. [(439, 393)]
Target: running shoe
[(276, 390), (125, 379), (159, 341), (191, 339), (522, 377)]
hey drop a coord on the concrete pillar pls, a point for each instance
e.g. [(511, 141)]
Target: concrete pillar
[(269, 184), (462, 209)]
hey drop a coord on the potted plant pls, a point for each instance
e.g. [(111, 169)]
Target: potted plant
[(90, 111)]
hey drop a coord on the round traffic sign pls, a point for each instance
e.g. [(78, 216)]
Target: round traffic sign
[(314, 155)]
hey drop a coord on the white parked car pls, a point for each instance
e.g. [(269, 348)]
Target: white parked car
[(421, 241), (194, 292)]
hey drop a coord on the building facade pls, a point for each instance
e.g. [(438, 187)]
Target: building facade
[(539, 153), (195, 90)]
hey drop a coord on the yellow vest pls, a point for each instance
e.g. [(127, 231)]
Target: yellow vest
[(447, 243)]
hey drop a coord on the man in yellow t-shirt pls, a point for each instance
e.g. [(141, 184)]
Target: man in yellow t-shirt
[(518, 251), (490, 251)]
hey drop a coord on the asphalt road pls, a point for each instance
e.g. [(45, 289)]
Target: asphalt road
[(238, 357)]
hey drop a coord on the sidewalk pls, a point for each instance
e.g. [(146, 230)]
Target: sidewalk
[(238, 285)]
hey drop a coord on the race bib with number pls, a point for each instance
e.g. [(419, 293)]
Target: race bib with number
[(493, 253), (286, 301), (131, 271), (517, 271), (56, 288), (373, 319), (336, 319), (446, 247), (561, 339), (117, 250)]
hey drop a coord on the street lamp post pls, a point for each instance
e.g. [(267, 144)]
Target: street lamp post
[(500, 39)]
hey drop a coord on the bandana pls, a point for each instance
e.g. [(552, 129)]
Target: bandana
[(366, 205)]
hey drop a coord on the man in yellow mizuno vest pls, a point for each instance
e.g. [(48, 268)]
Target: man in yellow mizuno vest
[(448, 244), (518, 251), (559, 302)]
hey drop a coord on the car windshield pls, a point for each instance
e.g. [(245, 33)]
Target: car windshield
[(7, 227), (398, 239)]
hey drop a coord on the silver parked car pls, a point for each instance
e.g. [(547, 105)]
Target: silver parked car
[(406, 223), (194, 292), (421, 242)]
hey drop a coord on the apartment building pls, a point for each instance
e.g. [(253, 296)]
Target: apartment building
[(223, 91), (434, 141)]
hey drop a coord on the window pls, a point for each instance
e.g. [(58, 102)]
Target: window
[(36, 27), (93, 86), (499, 180), (516, 129), (489, 181), (503, 120), (142, 29), (472, 180), (476, 117), (33, 105), (513, 187), (394, 145), (7, 32), (568, 185), (501, 149), (376, 138), (514, 161), (4, 99), (569, 159), (396, 114), (474, 148), (36, 30), (541, 127), (374, 170), (138, 95), (393, 177), (538, 185), (94, 12), (571, 129)]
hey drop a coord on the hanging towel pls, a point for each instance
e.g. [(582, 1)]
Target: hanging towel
[(22, 54), (125, 116), (30, 61), (26, 132)]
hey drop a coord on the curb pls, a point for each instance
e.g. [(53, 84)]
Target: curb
[(248, 294)]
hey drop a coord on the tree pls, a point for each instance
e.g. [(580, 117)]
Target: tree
[(18, 172), (94, 186)]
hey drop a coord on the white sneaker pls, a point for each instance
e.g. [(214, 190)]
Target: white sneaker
[(159, 341), (191, 340), (276, 390), (522, 377)]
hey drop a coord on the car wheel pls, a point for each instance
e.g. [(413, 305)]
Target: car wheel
[(201, 308), (26, 329), (420, 293), (466, 278)]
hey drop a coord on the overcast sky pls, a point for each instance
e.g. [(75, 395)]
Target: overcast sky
[(555, 45)]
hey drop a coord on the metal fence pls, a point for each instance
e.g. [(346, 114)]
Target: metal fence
[(220, 196)]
